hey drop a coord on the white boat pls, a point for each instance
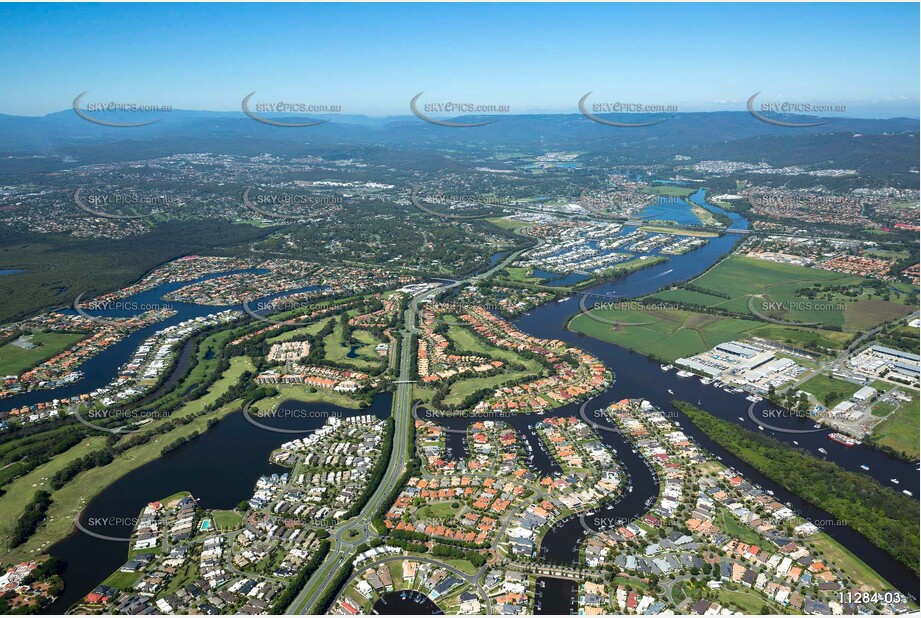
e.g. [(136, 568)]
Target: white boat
[(671, 392), (770, 493), (667, 367), (684, 374), (741, 419), (896, 481), (823, 451), (906, 492), (760, 428), (705, 380), (796, 443), (864, 467)]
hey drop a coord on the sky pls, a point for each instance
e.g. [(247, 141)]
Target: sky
[(373, 58)]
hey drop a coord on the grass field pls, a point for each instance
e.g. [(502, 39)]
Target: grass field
[(748, 601), (900, 431), (741, 277), (830, 391), (67, 501), (227, 520), (670, 190), (310, 329), (507, 224), (300, 392), (671, 334), (865, 578), (14, 359)]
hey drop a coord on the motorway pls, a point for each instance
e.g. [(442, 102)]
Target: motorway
[(353, 533)]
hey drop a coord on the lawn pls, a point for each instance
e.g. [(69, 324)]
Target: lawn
[(735, 528), (71, 498), (227, 520), (748, 601), (900, 431), (828, 390), (507, 224), (14, 359), (865, 578), (440, 510), (298, 333), (302, 392), (122, 581)]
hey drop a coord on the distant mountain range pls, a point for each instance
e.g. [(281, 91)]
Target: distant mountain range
[(60, 140)]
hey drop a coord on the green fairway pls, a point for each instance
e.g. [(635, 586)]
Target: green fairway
[(15, 359), (71, 498)]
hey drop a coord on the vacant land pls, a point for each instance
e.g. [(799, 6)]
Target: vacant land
[(14, 359), (900, 430), (830, 391), (671, 334), (670, 190), (775, 287)]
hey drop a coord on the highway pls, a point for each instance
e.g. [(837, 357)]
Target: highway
[(356, 531)]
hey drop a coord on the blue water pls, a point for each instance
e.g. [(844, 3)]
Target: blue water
[(100, 369)]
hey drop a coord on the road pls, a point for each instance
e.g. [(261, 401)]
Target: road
[(356, 531)]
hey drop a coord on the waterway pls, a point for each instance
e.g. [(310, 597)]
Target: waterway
[(216, 470), (405, 603), (219, 468)]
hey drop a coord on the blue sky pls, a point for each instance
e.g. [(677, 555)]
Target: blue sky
[(372, 58)]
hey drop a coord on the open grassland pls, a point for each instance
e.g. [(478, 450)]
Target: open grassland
[(865, 578), (673, 333), (14, 359), (670, 190), (830, 391), (900, 431), (775, 287), (72, 497)]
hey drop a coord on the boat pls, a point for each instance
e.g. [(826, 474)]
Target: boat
[(752, 398), (684, 374), (906, 492), (741, 419), (770, 492), (760, 427), (796, 443), (864, 467), (816, 426), (823, 451), (667, 367), (705, 380), (896, 481), (671, 392), (840, 438)]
